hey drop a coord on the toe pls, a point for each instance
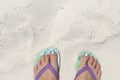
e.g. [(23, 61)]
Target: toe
[(53, 57), (97, 68), (94, 63), (84, 59), (83, 62), (42, 59), (47, 58), (53, 61), (35, 69), (99, 73), (91, 60), (39, 63)]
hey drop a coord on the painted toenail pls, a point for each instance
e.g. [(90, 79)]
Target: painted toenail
[(85, 54), (52, 52)]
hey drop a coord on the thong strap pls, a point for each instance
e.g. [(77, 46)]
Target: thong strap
[(48, 66), (86, 68)]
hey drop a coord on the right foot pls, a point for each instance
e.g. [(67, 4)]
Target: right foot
[(93, 64)]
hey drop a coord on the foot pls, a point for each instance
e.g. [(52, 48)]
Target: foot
[(44, 60), (93, 64)]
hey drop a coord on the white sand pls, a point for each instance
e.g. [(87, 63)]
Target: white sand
[(29, 26)]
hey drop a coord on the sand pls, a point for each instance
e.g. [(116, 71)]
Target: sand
[(29, 26)]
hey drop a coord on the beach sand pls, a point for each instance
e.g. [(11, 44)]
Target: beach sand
[(29, 26)]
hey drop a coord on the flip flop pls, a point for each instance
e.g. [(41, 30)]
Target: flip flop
[(86, 68), (48, 66)]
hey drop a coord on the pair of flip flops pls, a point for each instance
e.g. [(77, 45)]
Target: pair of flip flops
[(49, 66)]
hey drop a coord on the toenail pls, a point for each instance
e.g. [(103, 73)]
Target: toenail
[(86, 54), (52, 52)]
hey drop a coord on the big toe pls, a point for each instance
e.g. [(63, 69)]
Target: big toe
[(84, 60), (47, 58), (53, 61)]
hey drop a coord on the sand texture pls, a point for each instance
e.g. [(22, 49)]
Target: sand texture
[(29, 26)]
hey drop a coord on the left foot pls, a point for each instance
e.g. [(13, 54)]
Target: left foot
[(44, 60)]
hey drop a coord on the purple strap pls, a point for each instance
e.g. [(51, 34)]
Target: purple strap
[(86, 68), (48, 66)]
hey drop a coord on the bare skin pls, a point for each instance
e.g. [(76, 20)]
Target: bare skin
[(52, 59), (44, 60), (93, 64)]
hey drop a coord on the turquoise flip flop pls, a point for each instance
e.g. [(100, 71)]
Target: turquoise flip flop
[(86, 68), (48, 66), (86, 53), (48, 51)]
